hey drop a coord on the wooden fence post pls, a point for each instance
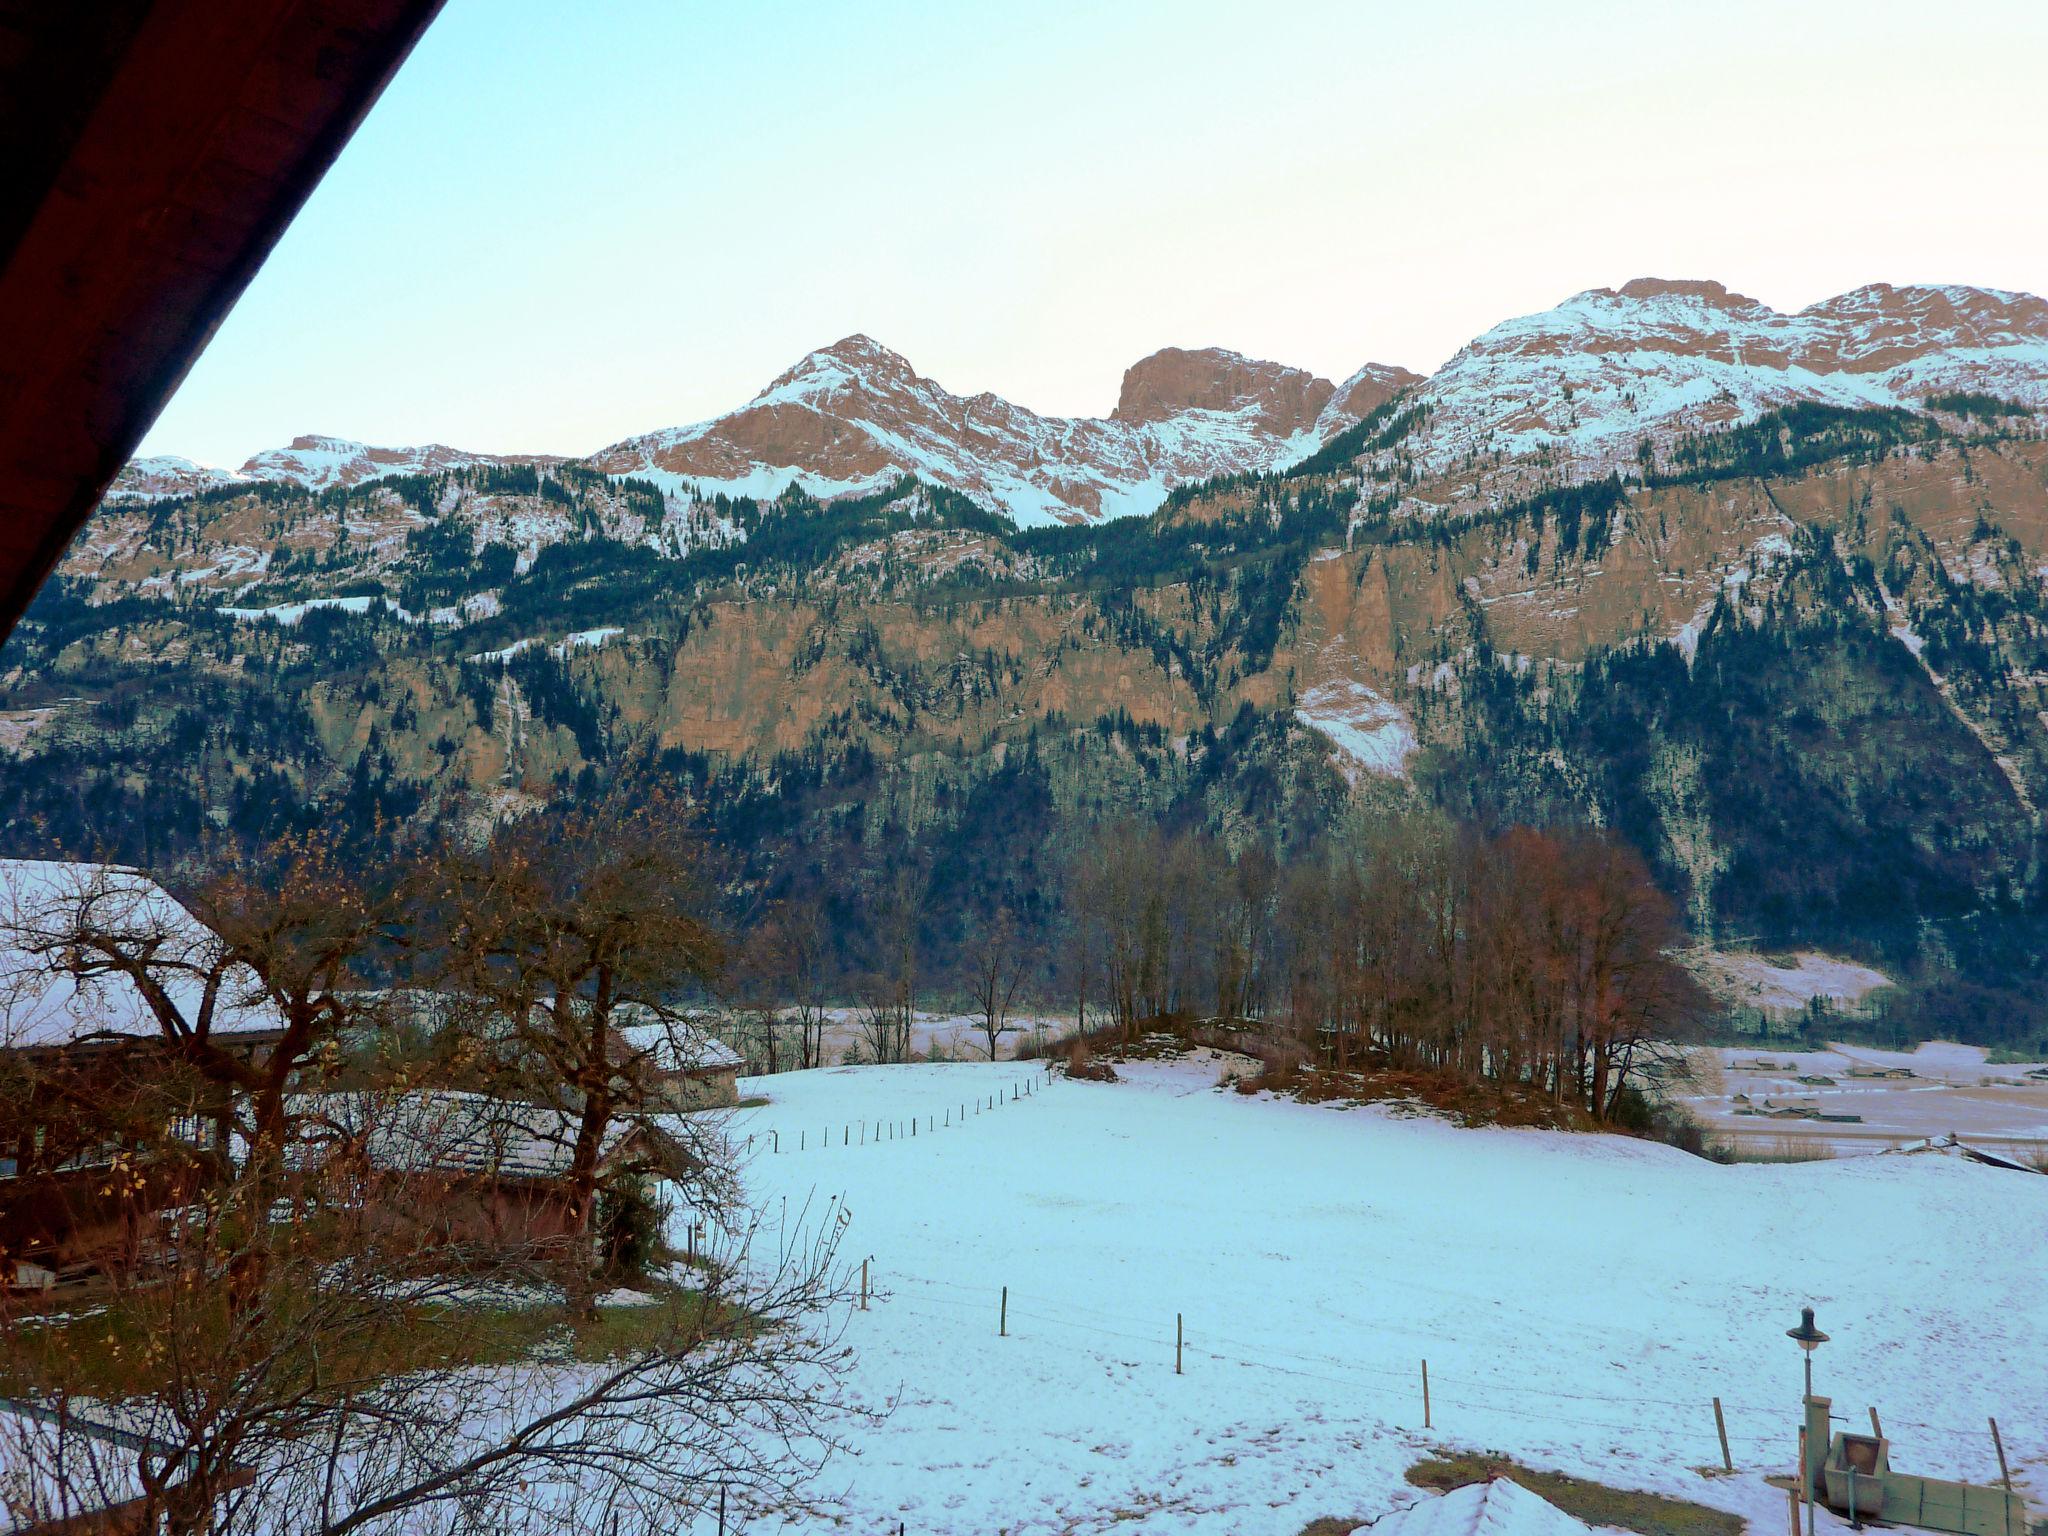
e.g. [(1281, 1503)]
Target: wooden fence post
[(1177, 1336), (1805, 1485), (2004, 1472), (864, 1284), (1003, 1317), (1425, 1396), (1792, 1501), (1721, 1429)]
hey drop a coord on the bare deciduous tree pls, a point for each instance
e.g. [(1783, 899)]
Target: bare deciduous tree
[(996, 963), (577, 931)]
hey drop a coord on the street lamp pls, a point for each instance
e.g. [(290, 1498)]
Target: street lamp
[(1808, 1338)]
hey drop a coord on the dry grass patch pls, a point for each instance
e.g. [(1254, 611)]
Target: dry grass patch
[(117, 1350), (1780, 1149)]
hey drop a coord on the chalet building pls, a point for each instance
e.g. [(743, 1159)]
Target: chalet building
[(679, 1065), (459, 1172), (669, 1061), (88, 1081)]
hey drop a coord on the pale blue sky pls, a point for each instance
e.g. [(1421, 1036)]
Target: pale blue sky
[(567, 223)]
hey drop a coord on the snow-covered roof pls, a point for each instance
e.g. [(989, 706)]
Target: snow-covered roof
[(44, 1000), (1498, 1508), (1953, 1146), (55, 1470), (445, 1131), (672, 1044)]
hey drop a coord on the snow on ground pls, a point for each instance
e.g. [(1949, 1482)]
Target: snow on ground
[(941, 1036), (1786, 984), (1500, 1508), (1371, 734), (1580, 1301)]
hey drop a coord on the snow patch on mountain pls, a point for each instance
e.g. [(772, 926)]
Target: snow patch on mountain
[(1369, 733), (1785, 984), (582, 640), (289, 614), (164, 475)]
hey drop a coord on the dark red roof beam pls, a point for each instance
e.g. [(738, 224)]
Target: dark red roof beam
[(153, 153)]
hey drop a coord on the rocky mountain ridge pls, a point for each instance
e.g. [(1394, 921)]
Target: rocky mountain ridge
[(1604, 381), (1607, 380), (853, 417)]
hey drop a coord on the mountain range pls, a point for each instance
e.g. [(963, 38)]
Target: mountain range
[(1762, 594), (855, 416), (1581, 387)]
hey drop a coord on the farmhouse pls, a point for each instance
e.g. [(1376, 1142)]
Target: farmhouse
[(675, 1062), (460, 1171), (88, 1075)]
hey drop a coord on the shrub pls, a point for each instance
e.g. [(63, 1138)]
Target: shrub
[(629, 1226), (1081, 1063)]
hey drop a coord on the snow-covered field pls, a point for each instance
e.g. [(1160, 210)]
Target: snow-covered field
[(1580, 1300)]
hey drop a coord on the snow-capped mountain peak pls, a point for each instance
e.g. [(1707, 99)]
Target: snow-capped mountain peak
[(853, 364), (166, 474), (1579, 389), (320, 463), (856, 416)]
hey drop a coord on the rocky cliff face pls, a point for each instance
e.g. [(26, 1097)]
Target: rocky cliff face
[(1282, 401)]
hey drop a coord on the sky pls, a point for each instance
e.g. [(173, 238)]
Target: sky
[(566, 224)]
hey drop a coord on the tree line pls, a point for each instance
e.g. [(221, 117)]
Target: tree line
[(1537, 959)]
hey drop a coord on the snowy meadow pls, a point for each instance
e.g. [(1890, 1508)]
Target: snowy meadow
[(1580, 1301)]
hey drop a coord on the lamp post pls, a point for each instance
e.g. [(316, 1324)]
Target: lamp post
[(1808, 1338)]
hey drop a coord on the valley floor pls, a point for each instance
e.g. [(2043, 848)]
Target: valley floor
[(1952, 1090), (1580, 1300)]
